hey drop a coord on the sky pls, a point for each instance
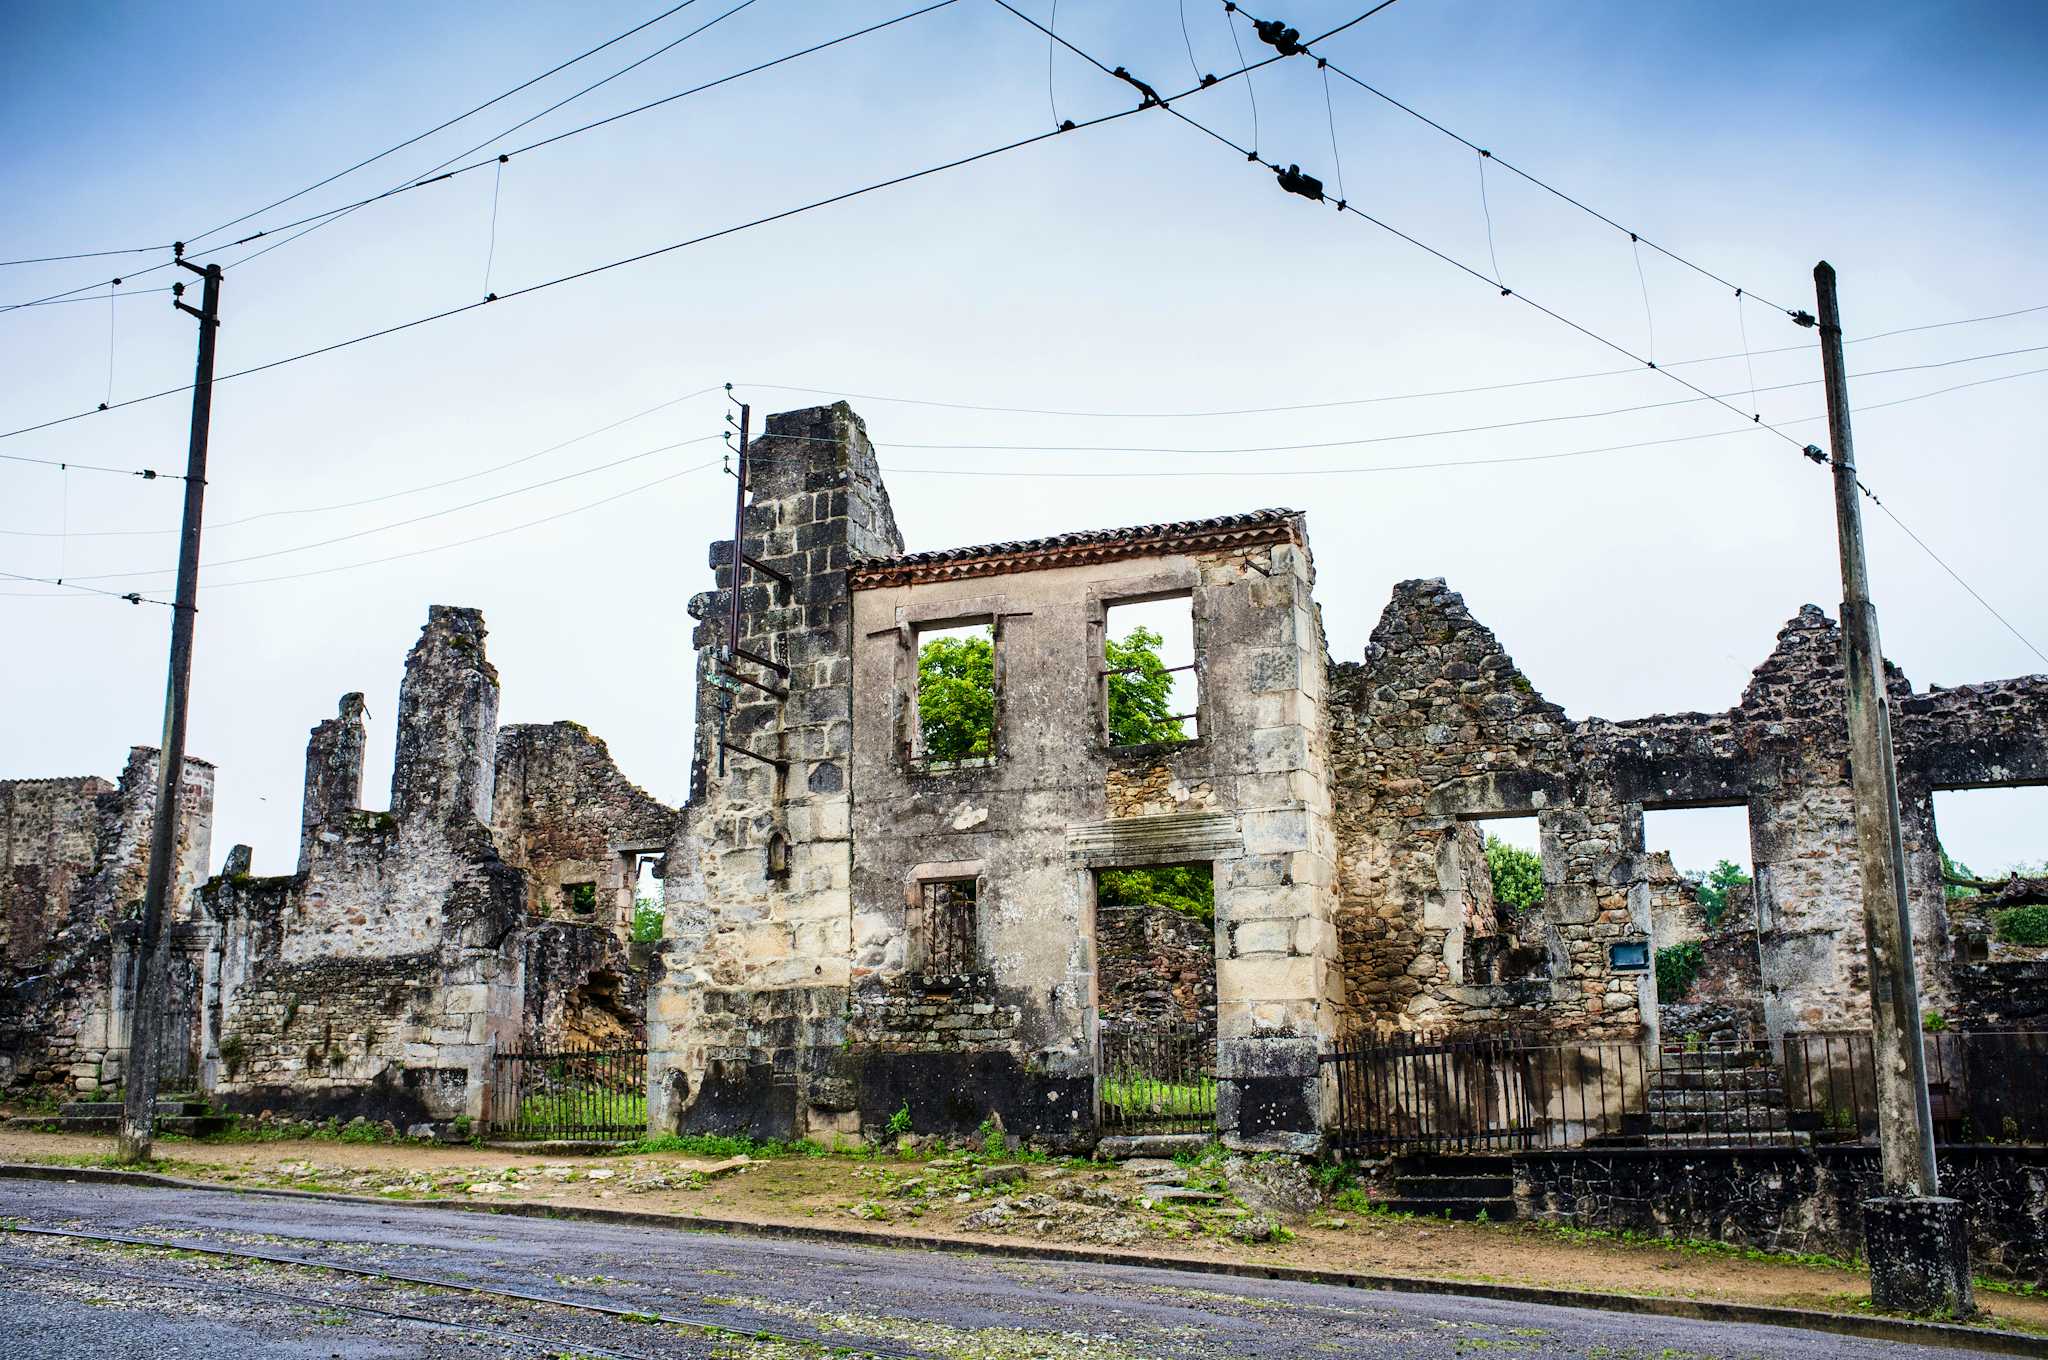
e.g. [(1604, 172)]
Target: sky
[(1113, 273)]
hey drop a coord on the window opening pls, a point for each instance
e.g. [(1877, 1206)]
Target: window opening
[(1994, 869), (647, 910), (956, 697), (580, 898), (1151, 685), (1501, 859), (948, 930), (1709, 851)]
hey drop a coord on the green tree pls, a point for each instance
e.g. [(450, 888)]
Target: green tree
[(1953, 869), (1140, 691), (1188, 889), (956, 697), (647, 919), (1713, 889), (1517, 874)]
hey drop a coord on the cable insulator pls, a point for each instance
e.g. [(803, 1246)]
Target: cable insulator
[(1294, 182), (1278, 36)]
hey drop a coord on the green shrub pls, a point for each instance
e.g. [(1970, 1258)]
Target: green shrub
[(899, 1122), (1678, 967), (647, 919), (1517, 874), (2022, 925)]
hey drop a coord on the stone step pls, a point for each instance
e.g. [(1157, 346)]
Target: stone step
[(1465, 1208), (190, 1125), (111, 1109), (1714, 1102), (1453, 1164), (1122, 1147), (1715, 1125), (1720, 1059), (1716, 1079), (1455, 1187)]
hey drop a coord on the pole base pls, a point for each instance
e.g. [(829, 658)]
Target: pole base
[(1919, 1248)]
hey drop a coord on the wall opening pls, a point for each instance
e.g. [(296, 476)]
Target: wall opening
[(1988, 837), (946, 936), (956, 697), (1497, 863), (1703, 922), (1155, 989), (1708, 849), (1151, 686), (579, 900), (648, 916)]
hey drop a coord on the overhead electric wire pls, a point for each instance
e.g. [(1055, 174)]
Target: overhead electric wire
[(434, 172), (85, 255), (1360, 401), (671, 247), (214, 526), (431, 178), (1955, 575), (404, 523), (131, 596), (369, 160), (1268, 471)]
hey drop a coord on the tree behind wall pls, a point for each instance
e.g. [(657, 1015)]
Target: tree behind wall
[(956, 697), (1140, 691), (1517, 874)]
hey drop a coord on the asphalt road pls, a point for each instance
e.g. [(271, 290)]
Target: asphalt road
[(711, 1295)]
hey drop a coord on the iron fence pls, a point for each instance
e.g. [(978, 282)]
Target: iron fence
[(1492, 1092), (1158, 1078), (584, 1093)]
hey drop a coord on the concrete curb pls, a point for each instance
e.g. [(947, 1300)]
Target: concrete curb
[(1946, 1334)]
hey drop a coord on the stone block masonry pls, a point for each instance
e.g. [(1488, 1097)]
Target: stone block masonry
[(74, 856), (413, 945)]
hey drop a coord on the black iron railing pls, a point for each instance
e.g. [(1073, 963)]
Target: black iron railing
[(1504, 1093), (1158, 1078), (570, 1093)]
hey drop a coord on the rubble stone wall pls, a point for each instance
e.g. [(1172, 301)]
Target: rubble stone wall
[(1437, 724), (1154, 964), (74, 863)]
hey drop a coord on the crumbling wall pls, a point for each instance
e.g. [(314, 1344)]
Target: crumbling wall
[(1154, 965), (759, 956), (1437, 724), (379, 978), (73, 866), (1435, 729)]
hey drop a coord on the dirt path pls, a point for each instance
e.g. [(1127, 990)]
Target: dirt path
[(964, 1200)]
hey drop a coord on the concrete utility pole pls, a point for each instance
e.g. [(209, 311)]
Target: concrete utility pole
[(1918, 1242), (145, 1024)]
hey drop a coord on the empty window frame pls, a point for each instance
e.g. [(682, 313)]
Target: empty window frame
[(580, 899), (956, 697), (947, 932), (1985, 837), (1709, 847), (1151, 687)]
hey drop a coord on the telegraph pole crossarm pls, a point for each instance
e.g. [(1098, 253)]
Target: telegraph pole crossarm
[(145, 1026), (1917, 1241)]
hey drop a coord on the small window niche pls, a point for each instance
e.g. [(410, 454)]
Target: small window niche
[(580, 900), (956, 698), (946, 935), (1151, 686)]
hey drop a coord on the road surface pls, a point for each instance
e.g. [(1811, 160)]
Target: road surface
[(701, 1294)]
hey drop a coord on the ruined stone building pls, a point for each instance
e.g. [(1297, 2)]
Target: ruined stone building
[(862, 925), (857, 928), (487, 910), (74, 858)]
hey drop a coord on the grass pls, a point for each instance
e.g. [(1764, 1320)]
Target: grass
[(585, 1109), (1148, 1096), (724, 1145)]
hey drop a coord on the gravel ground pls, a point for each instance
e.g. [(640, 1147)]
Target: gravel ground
[(721, 1295)]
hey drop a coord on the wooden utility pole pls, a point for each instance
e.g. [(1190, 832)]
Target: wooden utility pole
[(145, 1024), (1917, 1242)]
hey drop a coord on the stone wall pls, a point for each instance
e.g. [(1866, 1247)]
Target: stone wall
[(1154, 965), (1438, 725), (751, 989), (794, 969), (74, 861), (414, 944), (1788, 1199)]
